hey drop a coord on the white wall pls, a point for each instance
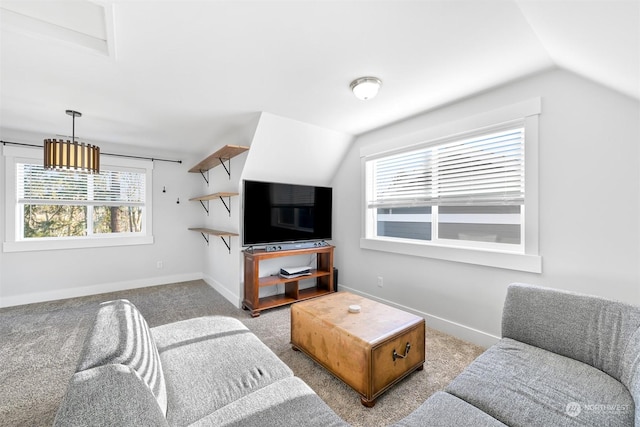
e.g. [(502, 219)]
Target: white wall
[(293, 152), (589, 210), (27, 277)]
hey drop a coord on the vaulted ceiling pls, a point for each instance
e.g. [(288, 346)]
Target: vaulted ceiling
[(183, 74)]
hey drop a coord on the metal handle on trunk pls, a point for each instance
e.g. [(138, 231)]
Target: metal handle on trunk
[(401, 356)]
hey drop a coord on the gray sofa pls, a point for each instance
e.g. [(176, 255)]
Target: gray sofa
[(208, 371), (565, 359)]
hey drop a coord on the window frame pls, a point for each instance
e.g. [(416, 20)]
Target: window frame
[(525, 257), (14, 243)]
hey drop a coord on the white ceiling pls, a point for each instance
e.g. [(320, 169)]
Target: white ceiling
[(182, 74)]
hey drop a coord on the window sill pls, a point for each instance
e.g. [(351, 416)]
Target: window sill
[(77, 243), (506, 260)]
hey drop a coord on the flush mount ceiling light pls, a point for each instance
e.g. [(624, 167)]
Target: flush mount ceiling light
[(60, 154), (365, 87)]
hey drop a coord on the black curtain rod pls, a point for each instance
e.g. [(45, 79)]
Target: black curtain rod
[(153, 159)]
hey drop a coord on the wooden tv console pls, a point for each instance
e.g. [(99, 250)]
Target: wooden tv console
[(323, 275)]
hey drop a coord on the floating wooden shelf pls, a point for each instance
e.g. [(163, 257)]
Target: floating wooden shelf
[(214, 232), (212, 196), (220, 196), (225, 153), (222, 234)]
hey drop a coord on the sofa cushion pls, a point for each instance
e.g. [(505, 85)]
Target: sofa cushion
[(590, 329), (288, 402), (445, 410), (631, 370), (120, 335), (209, 362), (522, 385), (108, 395)]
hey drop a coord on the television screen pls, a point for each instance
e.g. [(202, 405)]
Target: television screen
[(277, 212)]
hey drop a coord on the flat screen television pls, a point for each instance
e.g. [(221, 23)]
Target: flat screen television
[(277, 213)]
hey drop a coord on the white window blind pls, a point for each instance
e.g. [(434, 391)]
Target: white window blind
[(482, 170), (37, 185), (119, 188), (403, 180)]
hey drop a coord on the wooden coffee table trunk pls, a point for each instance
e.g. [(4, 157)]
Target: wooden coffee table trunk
[(370, 351)]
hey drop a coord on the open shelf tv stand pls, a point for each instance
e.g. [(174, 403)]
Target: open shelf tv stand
[(323, 275)]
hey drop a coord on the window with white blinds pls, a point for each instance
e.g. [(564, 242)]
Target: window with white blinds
[(467, 191), (480, 171), (61, 209)]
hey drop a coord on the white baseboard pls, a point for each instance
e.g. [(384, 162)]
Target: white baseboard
[(463, 332), (222, 290), (96, 289)]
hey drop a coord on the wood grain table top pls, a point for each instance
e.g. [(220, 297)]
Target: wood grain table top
[(375, 322)]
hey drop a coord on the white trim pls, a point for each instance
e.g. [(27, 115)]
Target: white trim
[(489, 258), (75, 243), (21, 21), (234, 299), (504, 219), (102, 288), (531, 168), (491, 118), (458, 330)]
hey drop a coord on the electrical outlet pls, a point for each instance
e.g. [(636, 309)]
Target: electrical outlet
[(160, 264), (380, 282)]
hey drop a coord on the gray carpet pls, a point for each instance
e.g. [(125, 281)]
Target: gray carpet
[(41, 344)]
